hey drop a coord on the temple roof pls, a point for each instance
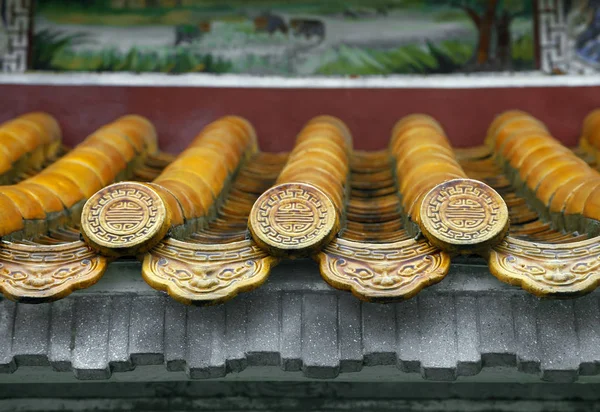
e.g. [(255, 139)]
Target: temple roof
[(211, 222)]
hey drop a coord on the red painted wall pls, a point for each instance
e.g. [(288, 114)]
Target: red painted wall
[(278, 114)]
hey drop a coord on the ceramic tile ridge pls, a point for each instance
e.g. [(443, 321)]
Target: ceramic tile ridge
[(212, 222)]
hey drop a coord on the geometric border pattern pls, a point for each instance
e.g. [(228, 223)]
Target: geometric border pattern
[(16, 27), (554, 40)]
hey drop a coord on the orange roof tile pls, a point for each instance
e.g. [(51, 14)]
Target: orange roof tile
[(210, 222)]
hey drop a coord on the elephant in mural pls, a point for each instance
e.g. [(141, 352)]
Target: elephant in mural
[(270, 23), (308, 28)]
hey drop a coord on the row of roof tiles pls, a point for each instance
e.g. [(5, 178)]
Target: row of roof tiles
[(211, 222)]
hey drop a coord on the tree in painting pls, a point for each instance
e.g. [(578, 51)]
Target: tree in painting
[(492, 19)]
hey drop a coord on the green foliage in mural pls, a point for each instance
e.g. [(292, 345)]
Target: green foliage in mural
[(142, 12), (53, 51), (49, 44), (443, 57), (523, 53), (140, 61)]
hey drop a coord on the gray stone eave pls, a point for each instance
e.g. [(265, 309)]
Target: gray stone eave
[(470, 327)]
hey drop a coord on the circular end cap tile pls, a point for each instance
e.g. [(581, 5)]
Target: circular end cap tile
[(126, 218), (294, 219), (463, 215)]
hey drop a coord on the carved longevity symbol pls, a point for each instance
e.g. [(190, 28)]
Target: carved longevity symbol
[(293, 217), (124, 216), (463, 213)]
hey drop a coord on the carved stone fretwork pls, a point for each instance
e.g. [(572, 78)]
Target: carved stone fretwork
[(43, 273), (200, 274), (554, 270), (293, 219), (382, 272), (554, 39), (14, 35), (463, 215)]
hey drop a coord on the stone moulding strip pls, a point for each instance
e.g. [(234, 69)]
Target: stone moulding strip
[(476, 81)]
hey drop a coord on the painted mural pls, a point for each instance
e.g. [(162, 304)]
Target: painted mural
[(289, 38)]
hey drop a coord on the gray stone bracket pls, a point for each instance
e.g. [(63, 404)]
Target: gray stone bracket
[(469, 327)]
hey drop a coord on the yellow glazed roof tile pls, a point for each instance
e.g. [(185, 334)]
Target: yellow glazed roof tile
[(211, 222)]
